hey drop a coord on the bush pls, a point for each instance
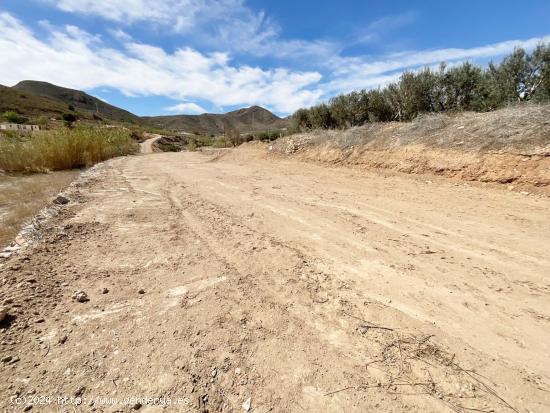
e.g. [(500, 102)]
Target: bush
[(63, 149), (41, 120), (69, 119), (519, 77), (233, 136), (12, 117), (221, 143)]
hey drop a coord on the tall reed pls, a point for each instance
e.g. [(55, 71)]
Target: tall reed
[(63, 148)]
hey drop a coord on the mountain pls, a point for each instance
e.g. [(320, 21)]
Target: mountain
[(254, 118), (81, 101), (29, 104), (33, 98)]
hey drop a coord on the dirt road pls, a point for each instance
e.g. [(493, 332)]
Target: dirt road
[(243, 284), (147, 145)]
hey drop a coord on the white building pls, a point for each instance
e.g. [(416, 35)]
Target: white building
[(18, 127)]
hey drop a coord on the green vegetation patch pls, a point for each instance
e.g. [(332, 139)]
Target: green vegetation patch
[(519, 77)]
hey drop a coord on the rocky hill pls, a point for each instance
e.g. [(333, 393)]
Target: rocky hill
[(81, 101), (29, 104), (254, 118)]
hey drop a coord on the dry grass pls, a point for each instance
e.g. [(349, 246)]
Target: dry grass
[(63, 149), (21, 197), (519, 129), (406, 364)]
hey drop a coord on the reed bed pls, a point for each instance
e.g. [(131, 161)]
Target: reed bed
[(63, 148)]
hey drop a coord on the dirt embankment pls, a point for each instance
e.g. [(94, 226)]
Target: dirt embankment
[(509, 146)]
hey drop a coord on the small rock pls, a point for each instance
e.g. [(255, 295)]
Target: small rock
[(81, 296), (104, 291), (3, 313), (27, 407), (15, 359), (141, 291), (80, 391), (214, 373), (5, 254), (63, 339), (247, 404), (524, 193), (136, 406), (61, 200), (238, 370), (6, 359)]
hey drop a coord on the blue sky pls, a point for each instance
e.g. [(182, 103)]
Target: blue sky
[(192, 56)]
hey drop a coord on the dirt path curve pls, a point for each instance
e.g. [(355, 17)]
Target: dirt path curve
[(147, 146), (241, 284)]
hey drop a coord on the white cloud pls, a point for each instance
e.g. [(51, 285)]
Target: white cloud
[(74, 58), (220, 16), (187, 108), (180, 14), (221, 24)]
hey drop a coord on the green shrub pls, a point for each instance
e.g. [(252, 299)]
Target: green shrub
[(12, 117), (63, 148), (69, 119), (221, 143), (41, 120)]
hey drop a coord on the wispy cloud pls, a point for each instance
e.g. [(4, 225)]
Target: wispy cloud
[(180, 15), (120, 34), (377, 29), (227, 25), (366, 72)]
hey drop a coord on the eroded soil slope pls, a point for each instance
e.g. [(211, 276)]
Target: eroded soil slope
[(240, 284), (508, 146)]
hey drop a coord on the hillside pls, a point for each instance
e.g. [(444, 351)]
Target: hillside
[(250, 119), (82, 101), (29, 104)]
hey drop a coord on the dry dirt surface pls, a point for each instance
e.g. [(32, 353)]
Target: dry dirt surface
[(233, 283)]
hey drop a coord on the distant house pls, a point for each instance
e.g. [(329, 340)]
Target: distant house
[(18, 127)]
